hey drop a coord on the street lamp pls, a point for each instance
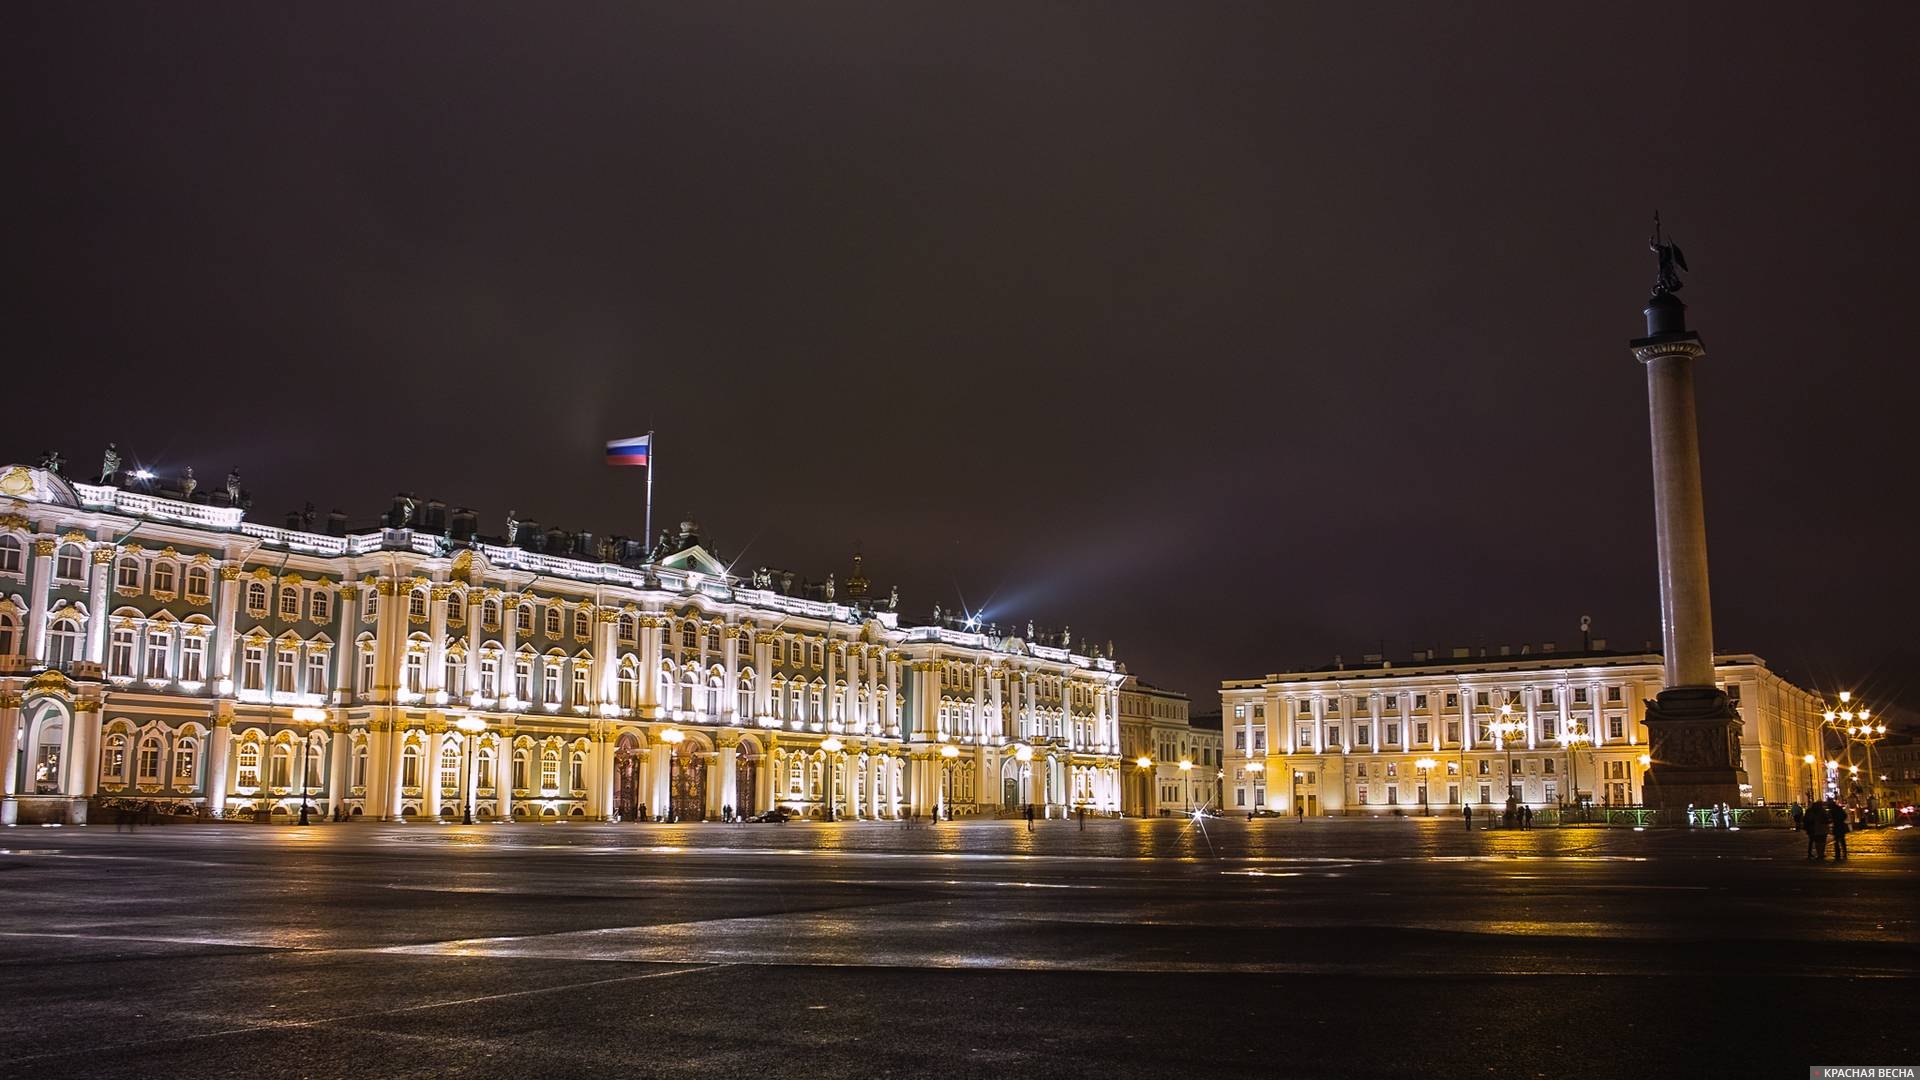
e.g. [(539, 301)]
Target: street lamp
[(306, 716), (1574, 739), (1813, 780), (1186, 779), (1425, 765), (1506, 728), (472, 726)]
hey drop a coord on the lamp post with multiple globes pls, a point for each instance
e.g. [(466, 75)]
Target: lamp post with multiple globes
[(1858, 726), (1574, 740), (306, 716), (1507, 728), (471, 726)]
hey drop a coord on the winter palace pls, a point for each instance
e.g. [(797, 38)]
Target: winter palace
[(1420, 736), (155, 645)]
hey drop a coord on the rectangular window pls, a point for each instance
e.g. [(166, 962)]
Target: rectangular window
[(283, 660), (523, 679), (1419, 701), (1615, 728), (1453, 731), (1260, 741), (253, 668), (1453, 701), (1420, 733), (316, 672), (1613, 694), (579, 684), (1306, 738), (1239, 712), (158, 645), (1239, 740), (193, 658), (1392, 702), (1482, 699), (1580, 695), (550, 684), (1393, 734), (1546, 696), (1361, 733), (416, 672), (366, 671)]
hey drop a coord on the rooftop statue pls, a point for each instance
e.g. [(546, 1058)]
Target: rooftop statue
[(513, 526), (1671, 261), (187, 482), (109, 463), (51, 461), (233, 484)]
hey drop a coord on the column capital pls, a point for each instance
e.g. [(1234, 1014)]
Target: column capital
[(44, 547), (104, 554)]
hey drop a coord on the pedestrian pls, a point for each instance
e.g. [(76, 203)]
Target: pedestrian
[(1798, 813), (1029, 817), (1300, 811), (1840, 829), (1081, 812), (1818, 823), (1466, 811), (1526, 817)]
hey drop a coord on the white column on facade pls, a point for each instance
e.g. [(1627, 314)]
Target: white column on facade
[(650, 630), (396, 757), (1595, 709), (1531, 697), (339, 758), (219, 749), (509, 648), (344, 647), (225, 614), (730, 694), (476, 615), (436, 682), (37, 597), (832, 650), (892, 660), (503, 775), (1319, 723), (10, 703), (1373, 720), (97, 606)]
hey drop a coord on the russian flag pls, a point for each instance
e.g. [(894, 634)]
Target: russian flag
[(632, 451)]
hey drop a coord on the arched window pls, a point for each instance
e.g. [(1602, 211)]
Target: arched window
[(290, 602), (553, 620), (523, 619), (489, 674), (582, 625), (186, 762), (257, 599), (63, 642), (484, 772), (320, 605), (689, 684), (67, 562), (449, 768), (9, 634), (12, 554), (716, 691), (577, 772), (628, 682), (550, 683), (164, 577), (490, 614), (520, 768), (416, 670), (456, 608), (199, 583), (417, 604), (113, 760), (248, 761), (745, 703), (550, 769), (455, 676), (690, 634), (410, 767), (120, 651), (629, 627), (146, 768), (796, 696), (578, 690), (281, 774)]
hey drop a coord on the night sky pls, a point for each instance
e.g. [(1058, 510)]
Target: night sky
[(1243, 335)]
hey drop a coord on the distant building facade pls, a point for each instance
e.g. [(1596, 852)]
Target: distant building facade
[(1402, 736), (159, 648), (1157, 734)]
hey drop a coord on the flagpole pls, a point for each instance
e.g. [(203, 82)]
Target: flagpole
[(646, 538)]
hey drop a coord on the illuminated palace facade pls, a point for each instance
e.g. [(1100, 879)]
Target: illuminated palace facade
[(160, 647), (1399, 736)]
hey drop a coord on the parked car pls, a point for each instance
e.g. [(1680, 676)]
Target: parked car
[(779, 815)]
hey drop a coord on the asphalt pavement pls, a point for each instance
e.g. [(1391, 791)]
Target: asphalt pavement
[(1162, 948)]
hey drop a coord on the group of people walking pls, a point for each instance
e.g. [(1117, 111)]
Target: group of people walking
[(1819, 821)]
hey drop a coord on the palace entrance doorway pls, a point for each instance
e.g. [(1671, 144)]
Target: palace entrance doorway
[(689, 783)]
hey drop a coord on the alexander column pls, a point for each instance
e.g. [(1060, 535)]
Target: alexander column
[(1693, 730)]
